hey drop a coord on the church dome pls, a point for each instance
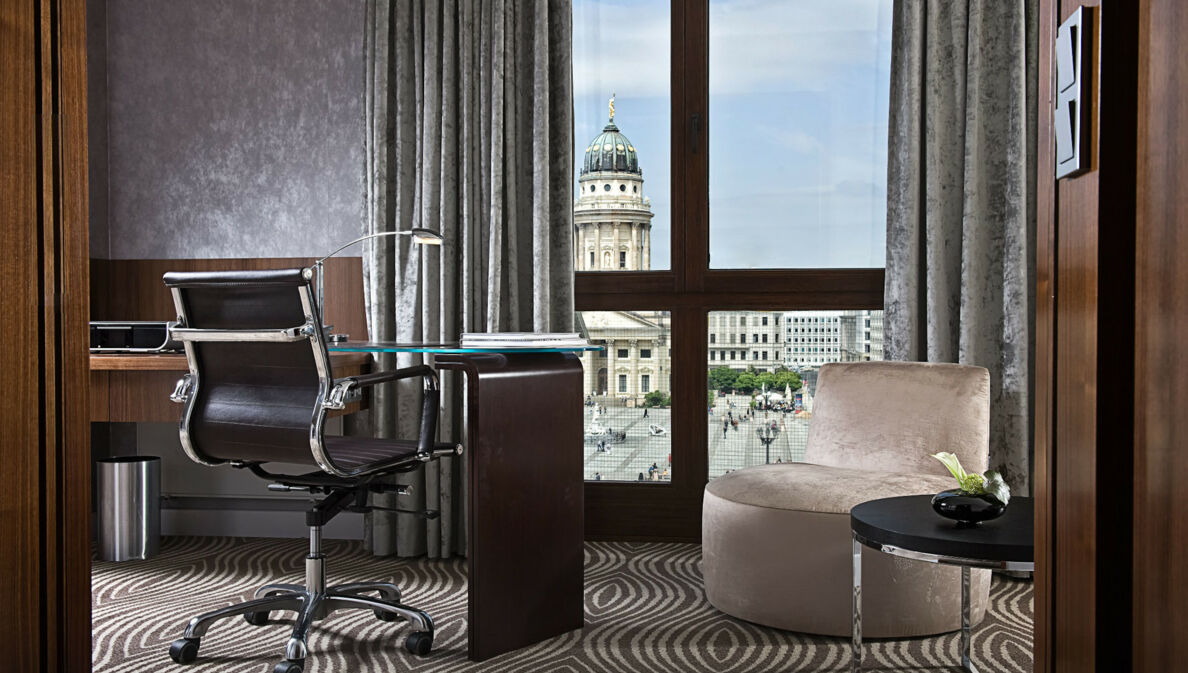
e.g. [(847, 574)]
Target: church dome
[(611, 151)]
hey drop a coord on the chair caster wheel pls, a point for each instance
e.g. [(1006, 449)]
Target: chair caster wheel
[(289, 666), (419, 642), (385, 616), (256, 618), (184, 650)]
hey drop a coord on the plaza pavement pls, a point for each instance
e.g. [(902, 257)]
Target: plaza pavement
[(737, 449)]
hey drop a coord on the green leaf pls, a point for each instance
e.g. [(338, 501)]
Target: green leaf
[(952, 462), (996, 487)]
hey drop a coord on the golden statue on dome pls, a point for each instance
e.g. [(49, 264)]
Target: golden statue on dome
[(612, 108)]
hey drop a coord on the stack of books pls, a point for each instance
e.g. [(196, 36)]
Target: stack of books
[(523, 340)]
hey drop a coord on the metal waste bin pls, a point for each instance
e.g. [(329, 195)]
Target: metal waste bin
[(129, 507)]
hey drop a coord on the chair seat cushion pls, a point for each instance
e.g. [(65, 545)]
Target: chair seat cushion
[(817, 488), (351, 452)]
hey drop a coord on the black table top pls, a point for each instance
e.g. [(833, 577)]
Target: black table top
[(908, 522)]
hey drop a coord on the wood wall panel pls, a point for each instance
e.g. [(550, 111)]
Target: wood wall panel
[(44, 435), (20, 480), (131, 289), (1085, 322), (1045, 323), (1161, 375)]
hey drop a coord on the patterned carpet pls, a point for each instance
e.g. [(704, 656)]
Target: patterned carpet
[(645, 611)]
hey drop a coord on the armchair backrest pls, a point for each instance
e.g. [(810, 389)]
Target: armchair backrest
[(891, 416), (259, 369)]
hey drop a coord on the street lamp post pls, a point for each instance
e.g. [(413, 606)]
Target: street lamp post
[(767, 435)]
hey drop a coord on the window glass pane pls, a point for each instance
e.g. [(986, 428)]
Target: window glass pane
[(798, 132), (621, 154), (627, 396), (762, 392)]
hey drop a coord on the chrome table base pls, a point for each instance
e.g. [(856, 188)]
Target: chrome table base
[(856, 651)]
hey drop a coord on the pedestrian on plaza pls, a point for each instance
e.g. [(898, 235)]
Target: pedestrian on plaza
[(597, 476), (641, 477), (645, 412), (724, 428)]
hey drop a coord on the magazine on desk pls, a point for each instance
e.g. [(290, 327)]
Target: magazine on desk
[(523, 340)]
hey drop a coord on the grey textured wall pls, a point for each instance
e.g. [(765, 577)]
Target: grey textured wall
[(234, 127)]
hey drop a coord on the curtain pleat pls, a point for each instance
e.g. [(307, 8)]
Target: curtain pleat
[(960, 280), (470, 133)]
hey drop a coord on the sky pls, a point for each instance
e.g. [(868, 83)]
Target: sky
[(797, 122)]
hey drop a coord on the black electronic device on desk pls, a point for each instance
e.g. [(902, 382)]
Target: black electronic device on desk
[(132, 336)]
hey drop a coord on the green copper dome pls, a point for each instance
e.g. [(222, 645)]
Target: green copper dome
[(611, 151)]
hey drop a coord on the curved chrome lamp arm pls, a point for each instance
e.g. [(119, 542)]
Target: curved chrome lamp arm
[(420, 236)]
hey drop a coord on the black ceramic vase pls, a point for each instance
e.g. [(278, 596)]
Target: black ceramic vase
[(966, 509)]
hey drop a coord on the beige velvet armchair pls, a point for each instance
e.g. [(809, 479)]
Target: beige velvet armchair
[(776, 538)]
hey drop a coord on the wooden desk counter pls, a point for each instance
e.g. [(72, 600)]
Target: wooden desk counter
[(130, 388)]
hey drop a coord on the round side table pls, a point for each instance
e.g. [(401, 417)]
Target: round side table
[(906, 526)]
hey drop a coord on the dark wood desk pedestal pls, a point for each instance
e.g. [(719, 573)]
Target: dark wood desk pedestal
[(526, 497)]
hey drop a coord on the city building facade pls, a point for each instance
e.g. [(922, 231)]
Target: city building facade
[(743, 339)]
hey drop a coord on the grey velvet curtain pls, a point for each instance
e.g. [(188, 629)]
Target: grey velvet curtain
[(960, 276), (470, 132)]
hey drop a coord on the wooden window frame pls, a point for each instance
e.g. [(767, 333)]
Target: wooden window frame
[(689, 290)]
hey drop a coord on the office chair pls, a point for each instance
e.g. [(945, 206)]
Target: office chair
[(257, 392)]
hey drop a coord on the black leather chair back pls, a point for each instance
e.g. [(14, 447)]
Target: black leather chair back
[(254, 401)]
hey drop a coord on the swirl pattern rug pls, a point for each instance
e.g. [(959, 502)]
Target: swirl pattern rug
[(645, 611)]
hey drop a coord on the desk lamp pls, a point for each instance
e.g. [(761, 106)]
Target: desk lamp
[(420, 236)]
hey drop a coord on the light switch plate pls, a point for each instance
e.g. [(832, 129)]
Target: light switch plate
[(1074, 73)]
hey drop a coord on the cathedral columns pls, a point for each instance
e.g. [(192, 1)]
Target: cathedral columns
[(633, 384)]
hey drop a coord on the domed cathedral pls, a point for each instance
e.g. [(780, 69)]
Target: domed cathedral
[(612, 219)]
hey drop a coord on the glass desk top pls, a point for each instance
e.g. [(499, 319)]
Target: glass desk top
[(441, 348)]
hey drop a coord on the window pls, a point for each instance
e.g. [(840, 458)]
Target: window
[(765, 338), (754, 338), (622, 259), (622, 353), (765, 320), (633, 148), (591, 259), (617, 441), (796, 92)]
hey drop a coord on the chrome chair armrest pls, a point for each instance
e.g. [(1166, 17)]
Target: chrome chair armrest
[(344, 391), (181, 391)]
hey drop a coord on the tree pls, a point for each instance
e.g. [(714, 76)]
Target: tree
[(766, 379), (787, 379), (746, 382), (657, 398), (722, 378)]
